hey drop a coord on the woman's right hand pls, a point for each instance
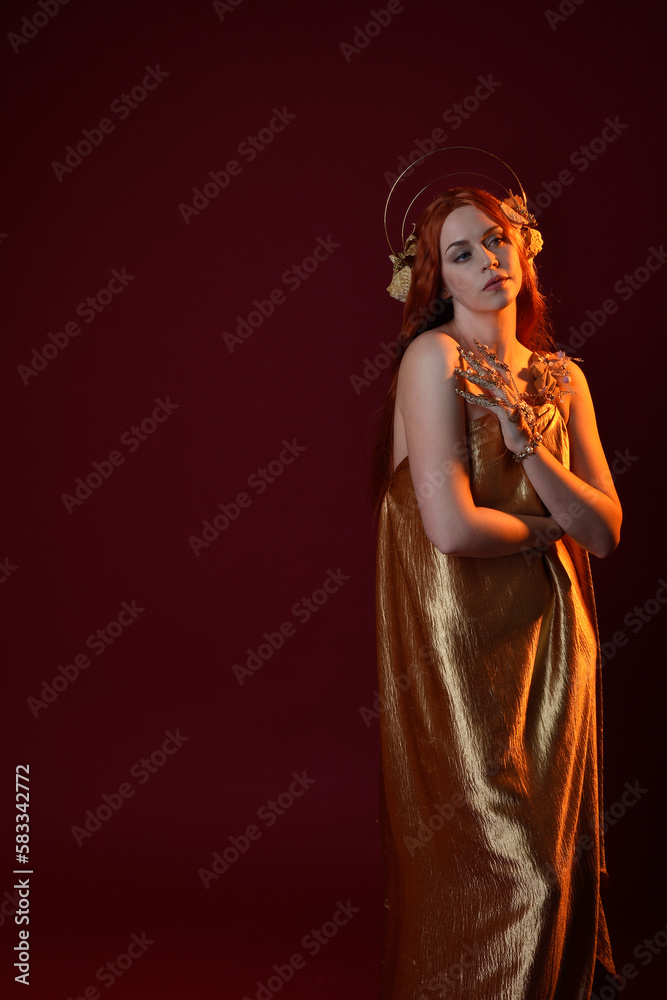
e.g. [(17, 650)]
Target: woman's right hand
[(545, 530), (554, 528)]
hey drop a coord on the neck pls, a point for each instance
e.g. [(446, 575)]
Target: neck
[(497, 330)]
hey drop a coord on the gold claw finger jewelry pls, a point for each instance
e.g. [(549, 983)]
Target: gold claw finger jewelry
[(515, 416), (474, 397)]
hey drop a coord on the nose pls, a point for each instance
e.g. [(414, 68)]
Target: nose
[(492, 260)]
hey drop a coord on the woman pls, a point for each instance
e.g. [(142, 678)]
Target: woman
[(491, 487)]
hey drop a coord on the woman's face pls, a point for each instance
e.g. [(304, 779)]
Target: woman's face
[(470, 245)]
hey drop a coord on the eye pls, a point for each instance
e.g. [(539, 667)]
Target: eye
[(491, 240)]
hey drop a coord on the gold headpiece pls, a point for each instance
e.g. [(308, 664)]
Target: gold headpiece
[(513, 206)]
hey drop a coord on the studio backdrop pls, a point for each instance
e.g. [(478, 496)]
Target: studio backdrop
[(196, 336)]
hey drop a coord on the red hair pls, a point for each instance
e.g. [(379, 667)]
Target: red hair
[(425, 309)]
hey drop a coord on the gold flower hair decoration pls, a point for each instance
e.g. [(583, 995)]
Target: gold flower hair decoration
[(516, 211), (402, 262)]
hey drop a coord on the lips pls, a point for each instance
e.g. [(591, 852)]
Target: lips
[(496, 282)]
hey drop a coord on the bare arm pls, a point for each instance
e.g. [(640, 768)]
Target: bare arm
[(434, 417)]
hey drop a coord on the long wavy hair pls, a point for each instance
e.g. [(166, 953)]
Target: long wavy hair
[(425, 309)]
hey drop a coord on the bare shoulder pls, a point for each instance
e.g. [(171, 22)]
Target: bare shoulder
[(577, 375), (432, 354), (581, 393)]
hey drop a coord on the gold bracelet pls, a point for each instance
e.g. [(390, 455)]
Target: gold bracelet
[(530, 448)]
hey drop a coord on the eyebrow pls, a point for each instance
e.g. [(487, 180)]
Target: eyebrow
[(460, 243)]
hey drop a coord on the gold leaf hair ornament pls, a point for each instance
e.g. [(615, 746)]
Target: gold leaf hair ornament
[(403, 261), (517, 213), (513, 206)]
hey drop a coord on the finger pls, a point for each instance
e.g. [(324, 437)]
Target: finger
[(505, 398), (478, 398), (476, 379), (506, 407)]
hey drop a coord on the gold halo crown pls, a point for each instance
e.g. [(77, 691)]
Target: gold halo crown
[(515, 207)]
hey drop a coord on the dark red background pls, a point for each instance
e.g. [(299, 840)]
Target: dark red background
[(323, 176)]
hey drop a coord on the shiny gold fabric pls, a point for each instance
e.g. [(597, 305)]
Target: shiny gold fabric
[(491, 742)]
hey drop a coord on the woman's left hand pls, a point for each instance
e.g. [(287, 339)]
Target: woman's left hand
[(513, 425), (499, 395)]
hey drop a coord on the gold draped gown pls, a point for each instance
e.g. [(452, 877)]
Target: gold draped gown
[(491, 751)]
